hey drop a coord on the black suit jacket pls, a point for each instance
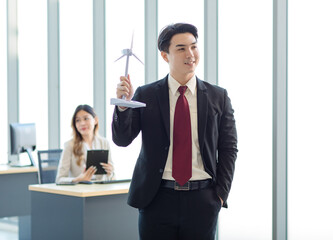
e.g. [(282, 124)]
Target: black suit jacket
[(216, 133)]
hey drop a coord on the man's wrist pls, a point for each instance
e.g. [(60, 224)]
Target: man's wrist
[(121, 109), (221, 200)]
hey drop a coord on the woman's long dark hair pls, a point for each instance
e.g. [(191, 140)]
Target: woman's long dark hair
[(77, 137)]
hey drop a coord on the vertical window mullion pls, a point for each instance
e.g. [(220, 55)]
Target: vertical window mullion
[(280, 79)]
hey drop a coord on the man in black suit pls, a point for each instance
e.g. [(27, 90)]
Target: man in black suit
[(181, 209)]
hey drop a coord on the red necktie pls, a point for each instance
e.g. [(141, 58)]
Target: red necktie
[(182, 140)]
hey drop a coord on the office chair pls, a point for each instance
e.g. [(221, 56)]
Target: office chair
[(48, 161)]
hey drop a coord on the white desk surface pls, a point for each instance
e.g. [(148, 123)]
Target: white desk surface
[(82, 190), (6, 169)]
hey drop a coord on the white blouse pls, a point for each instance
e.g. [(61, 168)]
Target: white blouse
[(68, 168)]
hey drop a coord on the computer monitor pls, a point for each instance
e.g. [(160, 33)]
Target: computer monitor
[(23, 139)]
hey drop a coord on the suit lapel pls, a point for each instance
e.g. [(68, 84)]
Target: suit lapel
[(202, 104), (162, 91)]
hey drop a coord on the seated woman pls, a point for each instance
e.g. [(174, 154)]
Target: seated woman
[(72, 165)]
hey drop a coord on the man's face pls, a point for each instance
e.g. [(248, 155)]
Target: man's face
[(183, 56)]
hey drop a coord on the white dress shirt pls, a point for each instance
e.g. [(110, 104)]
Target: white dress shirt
[(198, 172)]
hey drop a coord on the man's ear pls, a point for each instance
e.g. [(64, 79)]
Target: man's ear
[(165, 56)]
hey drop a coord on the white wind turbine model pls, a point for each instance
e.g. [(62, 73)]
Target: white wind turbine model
[(123, 102)]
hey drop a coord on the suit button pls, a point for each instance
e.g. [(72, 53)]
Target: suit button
[(166, 148), (161, 170)]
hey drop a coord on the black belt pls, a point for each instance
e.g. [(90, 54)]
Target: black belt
[(191, 185)]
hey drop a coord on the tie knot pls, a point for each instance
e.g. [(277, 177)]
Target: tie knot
[(182, 89)]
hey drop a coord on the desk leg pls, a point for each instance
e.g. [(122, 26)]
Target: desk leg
[(24, 223)]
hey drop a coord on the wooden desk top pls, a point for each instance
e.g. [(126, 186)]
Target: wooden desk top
[(6, 169), (82, 190)]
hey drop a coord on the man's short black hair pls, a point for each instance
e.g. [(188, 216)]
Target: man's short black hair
[(170, 30)]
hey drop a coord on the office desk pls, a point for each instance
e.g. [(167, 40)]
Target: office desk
[(96, 211), (15, 196)]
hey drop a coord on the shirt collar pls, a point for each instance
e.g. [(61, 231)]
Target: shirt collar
[(174, 84)]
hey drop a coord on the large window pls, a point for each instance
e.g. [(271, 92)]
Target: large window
[(245, 70), (123, 18), (76, 60), (187, 11), (32, 53), (3, 83), (310, 119)]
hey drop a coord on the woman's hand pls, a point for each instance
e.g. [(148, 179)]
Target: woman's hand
[(86, 175), (108, 168)]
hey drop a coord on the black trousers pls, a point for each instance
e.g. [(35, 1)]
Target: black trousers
[(180, 215)]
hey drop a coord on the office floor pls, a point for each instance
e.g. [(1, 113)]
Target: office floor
[(8, 229)]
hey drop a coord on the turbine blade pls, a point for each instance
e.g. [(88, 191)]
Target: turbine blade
[(132, 40), (137, 58), (120, 57)]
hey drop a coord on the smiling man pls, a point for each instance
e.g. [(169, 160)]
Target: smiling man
[(184, 172)]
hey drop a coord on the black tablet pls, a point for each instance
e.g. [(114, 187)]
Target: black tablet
[(95, 157)]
